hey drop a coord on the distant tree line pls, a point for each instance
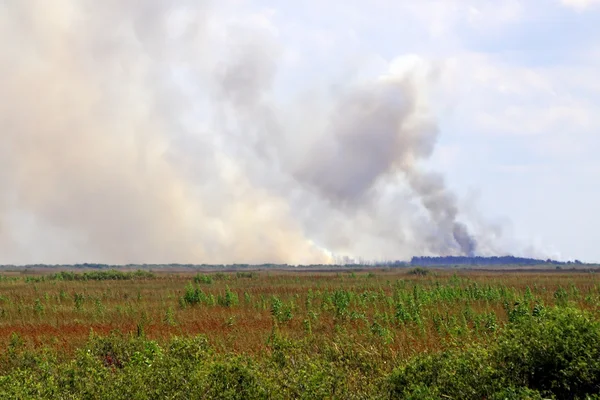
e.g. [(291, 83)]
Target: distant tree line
[(502, 260), (415, 261)]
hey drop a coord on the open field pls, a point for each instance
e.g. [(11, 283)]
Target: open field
[(281, 334)]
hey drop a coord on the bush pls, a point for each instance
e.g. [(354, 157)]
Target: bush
[(111, 275), (554, 353), (419, 271), (247, 275), (235, 379), (201, 278), (229, 299), (557, 353), (193, 295)]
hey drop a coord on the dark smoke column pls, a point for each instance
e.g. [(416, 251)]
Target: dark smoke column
[(378, 132), (467, 243)]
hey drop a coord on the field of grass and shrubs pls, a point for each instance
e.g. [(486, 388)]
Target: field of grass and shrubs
[(397, 333)]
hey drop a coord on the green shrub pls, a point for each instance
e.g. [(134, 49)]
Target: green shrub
[(229, 299), (193, 295), (235, 379), (280, 311), (111, 275), (202, 278), (552, 353), (247, 275), (557, 352), (419, 271)]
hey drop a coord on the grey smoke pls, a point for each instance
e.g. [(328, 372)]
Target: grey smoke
[(149, 131), (375, 133), (367, 139), (462, 236)]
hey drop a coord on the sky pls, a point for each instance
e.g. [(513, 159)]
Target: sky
[(250, 131), (518, 106)]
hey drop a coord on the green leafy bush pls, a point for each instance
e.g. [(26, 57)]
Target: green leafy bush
[(111, 275), (554, 353), (202, 278)]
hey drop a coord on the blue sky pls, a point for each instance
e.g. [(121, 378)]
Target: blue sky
[(517, 98)]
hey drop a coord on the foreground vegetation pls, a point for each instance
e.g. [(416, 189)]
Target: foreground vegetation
[(412, 334)]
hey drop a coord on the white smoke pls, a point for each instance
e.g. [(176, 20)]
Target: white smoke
[(148, 131)]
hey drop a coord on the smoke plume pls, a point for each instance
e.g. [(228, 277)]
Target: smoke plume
[(150, 131)]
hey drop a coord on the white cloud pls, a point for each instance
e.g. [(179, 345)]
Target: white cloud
[(580, 4), (500, 98)]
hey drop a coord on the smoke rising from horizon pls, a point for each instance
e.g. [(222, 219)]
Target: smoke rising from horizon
[(153, 132)]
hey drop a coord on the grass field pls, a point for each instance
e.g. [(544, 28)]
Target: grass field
[(396, 333)]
